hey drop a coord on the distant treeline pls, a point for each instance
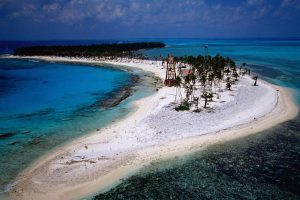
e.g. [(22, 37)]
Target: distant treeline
[(101, 50)]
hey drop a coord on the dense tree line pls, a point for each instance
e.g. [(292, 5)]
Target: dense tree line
[(115, 50)]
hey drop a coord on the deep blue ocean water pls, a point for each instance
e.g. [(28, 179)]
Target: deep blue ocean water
[(263, 166)]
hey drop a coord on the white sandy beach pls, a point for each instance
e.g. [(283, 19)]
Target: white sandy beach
[(153, 131)]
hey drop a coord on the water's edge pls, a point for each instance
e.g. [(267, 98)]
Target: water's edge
[(127, 94), (264, 165)]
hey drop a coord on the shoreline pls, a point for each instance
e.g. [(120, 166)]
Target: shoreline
[(121, 166), (132, 89)]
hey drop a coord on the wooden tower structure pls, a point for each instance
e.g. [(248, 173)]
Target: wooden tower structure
[(170, 72)]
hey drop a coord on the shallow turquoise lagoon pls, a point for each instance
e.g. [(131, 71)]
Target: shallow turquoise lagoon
[(43, 105)]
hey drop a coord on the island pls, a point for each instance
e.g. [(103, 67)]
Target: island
[(204, 100), (97, 50)]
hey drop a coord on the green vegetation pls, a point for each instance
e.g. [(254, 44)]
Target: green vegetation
[(202, 77), (103, 50), (183, 106), (206, 96)]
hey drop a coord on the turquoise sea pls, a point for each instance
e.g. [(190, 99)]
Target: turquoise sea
[(44, 105), (263, 166)]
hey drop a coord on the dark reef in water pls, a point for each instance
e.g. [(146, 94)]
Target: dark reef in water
[(36, 113), (115, 98), (266, 71), (262, 166), (6, 135), (111, 99)]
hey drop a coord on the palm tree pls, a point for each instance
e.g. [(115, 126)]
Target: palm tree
[(255, 80), (227, 71), (228, 83), (161, 59), (206, 96), (232, 65), (228, 86), (196, 101), (203, 81), (178, 87), (235, 75), (193, 81), (211, 77)]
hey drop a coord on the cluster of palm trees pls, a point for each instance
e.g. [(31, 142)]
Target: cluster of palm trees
[(205, 78)]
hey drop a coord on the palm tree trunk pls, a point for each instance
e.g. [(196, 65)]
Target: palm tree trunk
[(205, 102), (180, 96), (176, 94)]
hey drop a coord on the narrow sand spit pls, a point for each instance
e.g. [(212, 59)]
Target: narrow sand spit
[(153, 131)]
